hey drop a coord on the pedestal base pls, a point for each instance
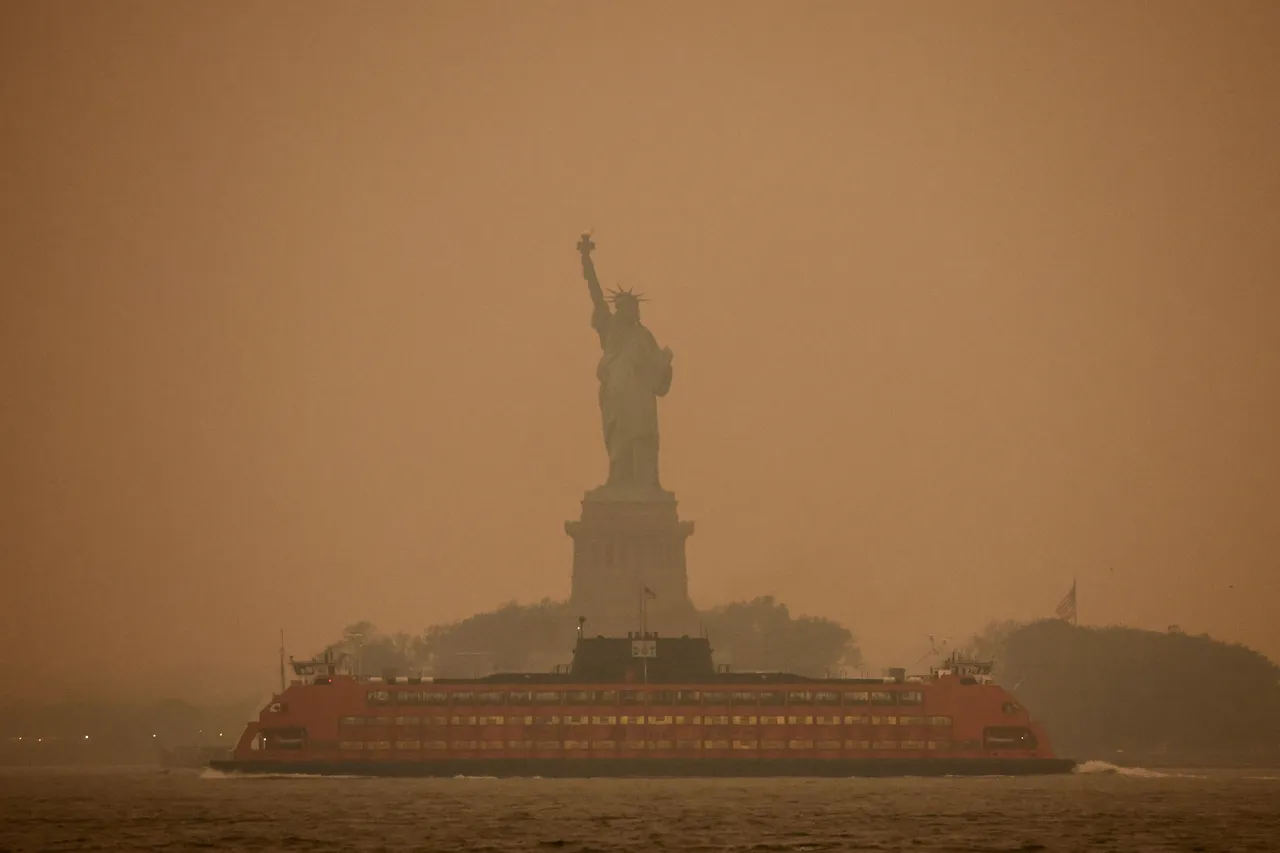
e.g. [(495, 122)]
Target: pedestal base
[(621, 545)]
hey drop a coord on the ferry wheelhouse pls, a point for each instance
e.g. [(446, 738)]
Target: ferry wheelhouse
[(644, 705)]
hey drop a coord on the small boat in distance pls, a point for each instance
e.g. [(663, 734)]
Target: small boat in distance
[(644, 705)]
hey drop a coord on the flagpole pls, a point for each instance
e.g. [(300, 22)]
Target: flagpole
[(1075, 600)]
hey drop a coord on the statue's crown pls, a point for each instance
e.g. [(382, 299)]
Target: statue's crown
[(625, 295)]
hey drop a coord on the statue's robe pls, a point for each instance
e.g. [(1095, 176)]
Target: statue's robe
[(633, 373)]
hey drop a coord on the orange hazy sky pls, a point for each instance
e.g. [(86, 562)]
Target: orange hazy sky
[(966, 300)]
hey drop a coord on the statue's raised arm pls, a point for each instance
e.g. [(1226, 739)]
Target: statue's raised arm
[(600, 313)]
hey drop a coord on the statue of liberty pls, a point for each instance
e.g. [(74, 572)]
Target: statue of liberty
[(633, 374)]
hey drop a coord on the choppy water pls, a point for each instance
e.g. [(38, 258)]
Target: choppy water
[(1101, 808)]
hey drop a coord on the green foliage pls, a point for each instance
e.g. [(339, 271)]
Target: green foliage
[(1116, 692)]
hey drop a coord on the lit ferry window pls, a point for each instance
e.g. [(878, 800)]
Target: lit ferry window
[(464, 698), (910, 697), (490, 698), (715, 698), (435, 698), (520, 697), (857, 697), (379, 697), (688, 697), (799, 697), (547, 698), (826, 697), (742, 697), (578, 697), (882, 697), (605, 697)]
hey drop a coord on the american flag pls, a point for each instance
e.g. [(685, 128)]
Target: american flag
[(1067, 607)]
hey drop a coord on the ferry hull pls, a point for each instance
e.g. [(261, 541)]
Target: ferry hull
[(661, 767)]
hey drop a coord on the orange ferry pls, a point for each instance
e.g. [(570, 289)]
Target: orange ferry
[(644, 705)]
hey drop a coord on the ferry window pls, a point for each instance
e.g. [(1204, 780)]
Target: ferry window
[(1008, 737), (828, 744), (408, 744), (715, 698), (826, 697), (939, 744), (606, 697), (379, 697), (939, 721), (884, 744), (464, 698), (799, 697), (519, 744), (742, 697), (434, 698), (379, 721), (407, 697), (910, 697), (350, 744), (857, 744), (633, 697), (881, 697), (288, 738), (490, 698), (578, 697), (884, 721), (520, 697), (688, 697), (351, 721), (773, 699), (913, 744), (407, 721), (857, 697), (547, 698), (911, 721), (662, 697)]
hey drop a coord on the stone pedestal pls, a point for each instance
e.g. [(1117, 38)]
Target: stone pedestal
[(622, 544)]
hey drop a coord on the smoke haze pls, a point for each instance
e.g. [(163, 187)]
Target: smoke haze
[(966, 301)]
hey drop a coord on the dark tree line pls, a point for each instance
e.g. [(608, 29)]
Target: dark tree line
[(1126, 694), (752, 635)]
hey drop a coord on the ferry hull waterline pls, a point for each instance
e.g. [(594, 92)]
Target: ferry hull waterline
[(644, 706)]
